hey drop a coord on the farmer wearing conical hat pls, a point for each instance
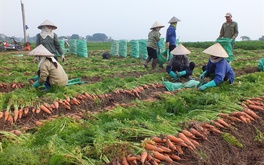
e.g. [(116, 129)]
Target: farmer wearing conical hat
[(50, 71), (217, 68), (171, 34), (179, 64), (49, 39), (152, 44)]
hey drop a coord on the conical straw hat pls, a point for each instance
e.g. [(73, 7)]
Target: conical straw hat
[(40, 51), (180, 50), (216, 50), (174, 20), (47, 23), (157, 25)]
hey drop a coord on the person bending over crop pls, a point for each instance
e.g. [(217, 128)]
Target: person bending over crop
[(217, 68), (152, 44), (49, 39), (50, 71), (179, 64)]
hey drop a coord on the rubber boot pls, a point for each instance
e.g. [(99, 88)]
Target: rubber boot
[(147, 61), (154, 64)]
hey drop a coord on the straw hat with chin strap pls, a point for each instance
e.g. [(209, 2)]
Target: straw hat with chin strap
[(180, 50), (216, 50), (47, 23)]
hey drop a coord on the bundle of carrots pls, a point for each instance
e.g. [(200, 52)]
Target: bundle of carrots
[(169, 148)]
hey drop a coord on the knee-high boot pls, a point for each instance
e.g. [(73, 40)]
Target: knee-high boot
[(147, 61), (154, 64)]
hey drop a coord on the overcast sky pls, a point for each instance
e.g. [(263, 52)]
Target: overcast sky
[(131, 19)]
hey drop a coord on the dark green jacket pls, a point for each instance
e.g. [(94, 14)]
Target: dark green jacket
[(52, 44)]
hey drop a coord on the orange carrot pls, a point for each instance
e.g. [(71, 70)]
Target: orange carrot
[(6, 114), (131, 158), (174, 157), (1, 114), (249, 102), (45, 109), (26, 110), (56, 104), (162, 157), (10, 119), (188, 134), (186, 140), (233, 118), (251, 113), (38, 123), (247, 116), (242, 118), (15, 115), (158, 139), (144, 155), (37, 110), (244, 105), (179, 149), (124, 161), (215, 130), (221, 121), (153, 147), (217, 124), (176, 140), (165, 149), (171, 145), (197, 133), (256, 107), (194, 142), (20, 113)]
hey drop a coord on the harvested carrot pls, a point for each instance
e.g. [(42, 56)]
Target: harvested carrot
[(179, 149), (244, 105), (215, 130), (217, 124), (197, 133), (249, 102), (186, 140), (37, 110), (165, 149), (38, 123), (158, 139), (194, 142), (153, 147), (20, 113), (10, 119), (171, 145), (45, 109), (15, 115), (247, 116), (176, 140), (162, 157), (26, 110), (255, 107), (221, 121), (124, 161), (56, 104), (174, 157), (251, 113), (144, 155), (6, 114), (242, 118), (188, 134), (131, 158), (1, 114)]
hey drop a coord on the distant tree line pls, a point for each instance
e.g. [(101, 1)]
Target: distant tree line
[(97, 37)]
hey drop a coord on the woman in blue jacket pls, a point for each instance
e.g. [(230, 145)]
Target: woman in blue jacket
[(217, 68)]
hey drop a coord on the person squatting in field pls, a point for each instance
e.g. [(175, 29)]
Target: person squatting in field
[(50, 71), (49, 39), (152, 44), (179, 65), (217, 68), (171, 34)]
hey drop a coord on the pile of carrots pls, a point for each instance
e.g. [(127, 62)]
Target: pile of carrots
[(12, 85), (170, 148)]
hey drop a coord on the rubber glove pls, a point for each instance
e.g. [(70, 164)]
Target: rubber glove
[(207, 85), (182, 73), (36, 84), (202, 75), (63, 58), (173, 75)]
